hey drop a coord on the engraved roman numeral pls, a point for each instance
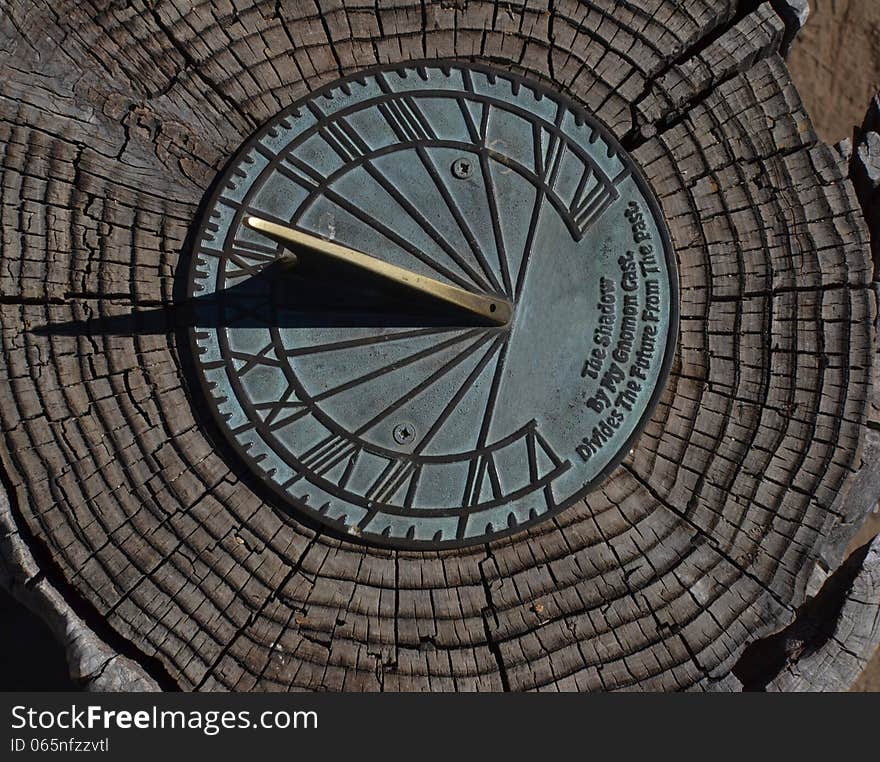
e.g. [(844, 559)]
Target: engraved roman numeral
[(407, 119), (247, 263), (340, 136), (477, 133), (544, 464), (329, 453), (252, 360), (551, 159), (547, 159), (590, 202), (541, 157), (481, 467), (397, 474), (272, 418), (535, 443), (301, 174)]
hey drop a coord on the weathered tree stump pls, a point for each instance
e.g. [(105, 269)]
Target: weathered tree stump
[(161, 564)]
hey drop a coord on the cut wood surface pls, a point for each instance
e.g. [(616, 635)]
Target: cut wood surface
[(735, 507)]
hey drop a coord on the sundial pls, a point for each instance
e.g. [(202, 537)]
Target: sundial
[(435, 304), (337, 344)]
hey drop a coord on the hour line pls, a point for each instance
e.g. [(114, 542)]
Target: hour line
[(460, 220), (425, 224), (496, 225), (379, 338), (396, 366), (383, 230), (457, 397), (442, 371)]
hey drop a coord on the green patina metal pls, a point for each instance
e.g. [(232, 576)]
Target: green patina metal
[(406, 423)]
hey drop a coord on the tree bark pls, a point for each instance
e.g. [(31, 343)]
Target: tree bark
[(719, 532)]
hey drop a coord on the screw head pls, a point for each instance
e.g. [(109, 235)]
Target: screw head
[(404, 433), (462, 168)]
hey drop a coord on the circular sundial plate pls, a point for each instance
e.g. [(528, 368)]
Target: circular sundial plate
[(402, 425)]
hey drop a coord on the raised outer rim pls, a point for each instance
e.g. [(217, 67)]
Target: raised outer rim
[(543, 87)]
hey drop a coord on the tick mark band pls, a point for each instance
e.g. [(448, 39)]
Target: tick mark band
[(491, 307)]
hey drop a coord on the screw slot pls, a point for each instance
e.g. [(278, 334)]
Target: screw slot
[(462, 168), (404, 433)]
